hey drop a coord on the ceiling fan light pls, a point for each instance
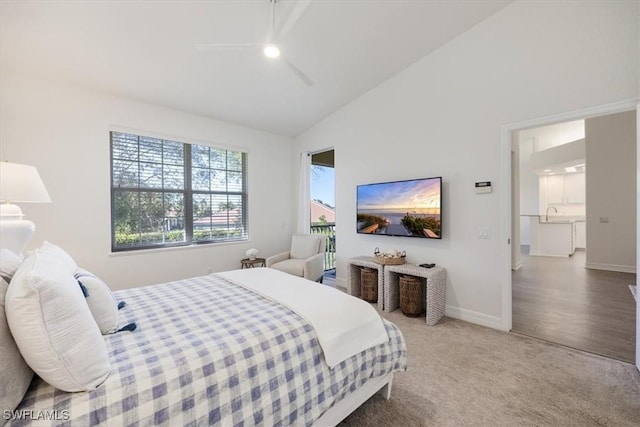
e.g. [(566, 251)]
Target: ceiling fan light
[(271, 51)]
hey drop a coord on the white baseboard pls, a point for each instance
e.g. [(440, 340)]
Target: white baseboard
[(474, 317), (341, 283), (611, 267)]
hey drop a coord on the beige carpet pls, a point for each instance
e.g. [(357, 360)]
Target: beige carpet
[(461, 374)]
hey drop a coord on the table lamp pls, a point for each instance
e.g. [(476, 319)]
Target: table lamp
[(18, 184)]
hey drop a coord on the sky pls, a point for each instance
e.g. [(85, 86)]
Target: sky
[(322, 184), (421, 194)]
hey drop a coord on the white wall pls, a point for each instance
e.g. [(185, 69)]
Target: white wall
[(443, 116), (571, 153), (64, 132), (556, 134), (611, 192)]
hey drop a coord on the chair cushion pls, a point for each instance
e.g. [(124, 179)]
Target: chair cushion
[(15, 375), (291, 266), (52, 324), (101, 301), (304, 246)]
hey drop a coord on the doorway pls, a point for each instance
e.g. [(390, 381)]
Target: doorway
[(554, 296), (323, 215)]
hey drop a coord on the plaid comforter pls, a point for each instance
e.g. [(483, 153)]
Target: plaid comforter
[(208, 352)]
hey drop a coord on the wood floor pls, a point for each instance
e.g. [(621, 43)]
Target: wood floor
[(558, 300)]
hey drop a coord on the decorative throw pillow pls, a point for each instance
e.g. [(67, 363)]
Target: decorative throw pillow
[(15, 374), (9, 263), (59, 254), (52, 324), (101, 302), (303, 247)]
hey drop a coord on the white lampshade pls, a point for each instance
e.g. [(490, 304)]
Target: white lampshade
[(22, 184)]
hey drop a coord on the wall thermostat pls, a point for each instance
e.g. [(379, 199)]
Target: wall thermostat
[(483, 187)]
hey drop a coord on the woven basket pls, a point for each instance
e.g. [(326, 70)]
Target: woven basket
[(369, 284), (388, 260), (411, 295)]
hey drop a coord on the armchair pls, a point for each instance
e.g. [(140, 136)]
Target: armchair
[(305, 259)]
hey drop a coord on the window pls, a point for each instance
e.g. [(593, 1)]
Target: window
[(168, 193)]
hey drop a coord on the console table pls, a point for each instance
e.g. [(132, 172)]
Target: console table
[(251, 263), (353, 276), (436, 287)]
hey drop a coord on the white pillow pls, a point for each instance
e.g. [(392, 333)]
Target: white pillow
[(59, 254), (303, 247), (15, 374), (101, 302), (52, 324), (9, 263)]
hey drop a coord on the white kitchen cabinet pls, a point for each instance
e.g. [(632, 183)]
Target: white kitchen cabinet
[(581, 234), (574, 188), (562, 189), (555, 189), (554, 238)]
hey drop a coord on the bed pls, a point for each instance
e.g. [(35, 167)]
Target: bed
[(211, 350)]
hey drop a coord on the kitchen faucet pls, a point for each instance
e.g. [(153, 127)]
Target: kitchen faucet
[(546, 217)]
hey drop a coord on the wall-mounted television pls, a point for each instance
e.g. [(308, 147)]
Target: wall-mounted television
[(408, 208)]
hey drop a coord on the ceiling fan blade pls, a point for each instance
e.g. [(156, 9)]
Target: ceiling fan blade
[(296, 13), (298, 72), (206, 47)]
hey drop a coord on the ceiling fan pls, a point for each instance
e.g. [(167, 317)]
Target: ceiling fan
[(270, 48)]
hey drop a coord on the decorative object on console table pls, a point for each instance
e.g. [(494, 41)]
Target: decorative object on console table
[(18, 184), (369, 284), (389, 258), (411, 295), (435, 292), (354, 276), (250, 263), (252, 253)]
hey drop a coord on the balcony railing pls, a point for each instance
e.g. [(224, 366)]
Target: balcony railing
[(328, 230)]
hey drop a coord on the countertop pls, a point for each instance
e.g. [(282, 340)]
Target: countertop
[(557, 218)]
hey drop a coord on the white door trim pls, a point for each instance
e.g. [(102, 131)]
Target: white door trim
[(505, 220), (638, 240)]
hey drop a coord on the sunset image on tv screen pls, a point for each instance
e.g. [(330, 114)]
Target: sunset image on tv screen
[(401, 208)]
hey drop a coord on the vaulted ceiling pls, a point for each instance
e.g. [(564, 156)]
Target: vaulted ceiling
[(148, 51)]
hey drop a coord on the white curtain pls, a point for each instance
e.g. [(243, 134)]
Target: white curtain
[(304, 194)]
